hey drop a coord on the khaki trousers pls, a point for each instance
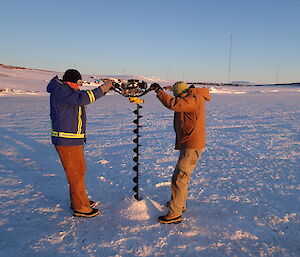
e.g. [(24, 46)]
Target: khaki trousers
[(186, 164), (72, 159)]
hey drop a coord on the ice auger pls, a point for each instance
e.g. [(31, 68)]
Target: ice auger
[(138, 101), (133, 89)]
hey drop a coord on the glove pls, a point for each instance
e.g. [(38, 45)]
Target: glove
[(106, 87), (116, 84), (155, 87)]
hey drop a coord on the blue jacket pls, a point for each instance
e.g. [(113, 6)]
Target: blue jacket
[(67, 112)]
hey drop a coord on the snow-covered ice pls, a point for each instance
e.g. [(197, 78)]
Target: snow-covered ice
[(244, 195)]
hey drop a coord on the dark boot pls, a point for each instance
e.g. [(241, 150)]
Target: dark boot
[(92, 213), (166, 220)]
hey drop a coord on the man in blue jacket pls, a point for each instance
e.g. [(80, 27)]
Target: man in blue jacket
[(68, 117)]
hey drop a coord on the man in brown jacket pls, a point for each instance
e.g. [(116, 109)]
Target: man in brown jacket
[(189, 126)]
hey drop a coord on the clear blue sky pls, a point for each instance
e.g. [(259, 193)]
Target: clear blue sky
[(177, 40)]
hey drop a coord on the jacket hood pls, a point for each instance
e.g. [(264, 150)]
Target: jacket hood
[(204, 92), (54, 83)]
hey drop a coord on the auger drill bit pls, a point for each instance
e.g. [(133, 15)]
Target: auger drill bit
[(136, 150)]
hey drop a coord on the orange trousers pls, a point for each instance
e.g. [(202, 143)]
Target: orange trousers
[(72, 159)]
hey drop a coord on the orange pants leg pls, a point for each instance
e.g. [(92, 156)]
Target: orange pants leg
[(72, 159)]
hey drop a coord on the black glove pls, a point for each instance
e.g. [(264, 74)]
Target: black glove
[(116, 85), (155, 87)]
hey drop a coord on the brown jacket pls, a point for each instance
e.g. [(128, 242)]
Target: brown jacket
[(189, 117)]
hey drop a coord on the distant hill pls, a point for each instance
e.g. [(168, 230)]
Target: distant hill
[(20, 68), (246, 83), (147, 79)]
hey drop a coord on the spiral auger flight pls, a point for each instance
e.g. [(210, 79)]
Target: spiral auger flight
[(136, 149)]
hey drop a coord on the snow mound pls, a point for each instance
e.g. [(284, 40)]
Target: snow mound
[(136, 210), (144, 209)]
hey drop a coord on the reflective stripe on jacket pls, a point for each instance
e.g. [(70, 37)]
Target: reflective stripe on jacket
[(67, 112)]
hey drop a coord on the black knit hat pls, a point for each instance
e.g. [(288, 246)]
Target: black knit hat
[(72, 76)]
